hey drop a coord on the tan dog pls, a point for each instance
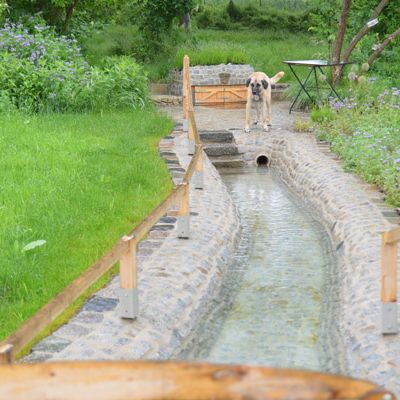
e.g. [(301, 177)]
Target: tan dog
[(259, 94)]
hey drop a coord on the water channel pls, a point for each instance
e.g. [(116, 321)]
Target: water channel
[(277, 301)]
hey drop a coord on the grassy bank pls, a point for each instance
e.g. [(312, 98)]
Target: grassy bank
[(75, 183), (364, 132)]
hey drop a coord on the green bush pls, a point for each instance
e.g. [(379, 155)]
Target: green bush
[(233, 11), (322, 115), (120, 83), (114, 40), (40, 71), (251, 17)]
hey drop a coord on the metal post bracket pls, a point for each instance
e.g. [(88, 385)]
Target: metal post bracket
[(389, 318), (128, 303)]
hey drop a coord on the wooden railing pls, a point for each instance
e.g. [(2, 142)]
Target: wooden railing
[(124, 250), (389, 281)]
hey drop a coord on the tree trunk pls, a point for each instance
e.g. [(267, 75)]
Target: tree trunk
[(69, 10), (363, 31), (382, 46), (337, 49), (186, 21)]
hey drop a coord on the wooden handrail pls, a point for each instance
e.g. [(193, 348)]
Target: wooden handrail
[(176, 381)]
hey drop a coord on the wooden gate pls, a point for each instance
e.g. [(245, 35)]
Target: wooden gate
[(219, 95)]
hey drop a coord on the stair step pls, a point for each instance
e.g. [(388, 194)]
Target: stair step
[(221, 150), (222, 136), (227, 162)]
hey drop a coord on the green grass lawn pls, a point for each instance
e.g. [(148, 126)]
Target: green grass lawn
[(78, 182), (265, 51)]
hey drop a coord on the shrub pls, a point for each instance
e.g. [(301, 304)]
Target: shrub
[(233, 11), (40, 71), (322, 115), (119, 83), (266, 18)]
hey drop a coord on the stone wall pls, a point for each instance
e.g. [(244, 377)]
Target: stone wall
[(210, 75)]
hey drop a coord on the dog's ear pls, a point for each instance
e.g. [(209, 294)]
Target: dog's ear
[(248, 82), (264, 83)]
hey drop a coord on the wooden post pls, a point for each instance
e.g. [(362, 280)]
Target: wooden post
[(184, 213), (389, 283), (185, 92), (198, 177), (6, 354), (190, 113), (129, 304)]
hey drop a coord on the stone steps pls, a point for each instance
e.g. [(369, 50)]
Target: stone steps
[(221, 149), (227, 162), (223, 136)]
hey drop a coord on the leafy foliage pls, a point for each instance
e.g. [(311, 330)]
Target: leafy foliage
[(250, 16), (364, 132), (41, 71)]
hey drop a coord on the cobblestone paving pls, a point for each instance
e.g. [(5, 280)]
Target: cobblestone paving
[(177, 276)]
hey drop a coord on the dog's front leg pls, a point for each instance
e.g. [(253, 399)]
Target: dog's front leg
[(269, 109), (248, 112), (258, 112), (264, 116)]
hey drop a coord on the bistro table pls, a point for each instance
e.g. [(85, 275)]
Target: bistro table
[(314, 65)]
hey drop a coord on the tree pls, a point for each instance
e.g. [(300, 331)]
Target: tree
[(59, 13), (360, 34)]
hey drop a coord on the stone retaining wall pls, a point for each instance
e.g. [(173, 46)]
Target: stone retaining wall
[(354, 224), (210, 75)]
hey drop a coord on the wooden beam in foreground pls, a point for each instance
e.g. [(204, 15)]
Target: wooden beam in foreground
[(177, 381)]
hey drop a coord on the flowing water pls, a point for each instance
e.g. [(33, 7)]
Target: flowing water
[(275, 303)]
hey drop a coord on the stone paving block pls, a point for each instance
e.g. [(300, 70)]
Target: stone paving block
[(100, 304)]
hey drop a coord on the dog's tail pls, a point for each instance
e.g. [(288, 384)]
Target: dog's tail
[(277, 77)]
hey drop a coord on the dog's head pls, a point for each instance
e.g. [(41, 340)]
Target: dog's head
[(256, 84)]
